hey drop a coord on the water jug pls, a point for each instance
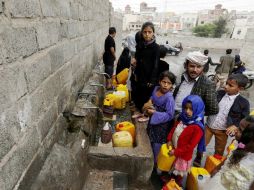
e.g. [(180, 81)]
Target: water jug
[(122, 139), (202, 180), (124, 88), (192, 179), (119, 99), (126, 126), (171, 185), (106, 133), (164, 160), (122, 76)]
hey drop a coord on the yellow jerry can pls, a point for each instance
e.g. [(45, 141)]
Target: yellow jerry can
[(122, 139), (171, 185), (197, 178), (164, 160), (119, 100), (126, 126), (122, 76), (122, 87)]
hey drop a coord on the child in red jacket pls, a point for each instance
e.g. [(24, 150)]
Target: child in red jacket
[(187, 133)]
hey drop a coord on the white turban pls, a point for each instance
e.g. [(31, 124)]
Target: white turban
[(197, 57)]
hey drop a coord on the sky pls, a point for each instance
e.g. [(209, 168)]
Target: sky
[(180, 6)]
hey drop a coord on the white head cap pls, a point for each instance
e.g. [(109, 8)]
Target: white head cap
[(197, 57)]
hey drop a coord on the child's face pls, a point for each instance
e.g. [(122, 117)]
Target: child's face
[(231, 87), (148, 33), (165, 85), (188, 109)]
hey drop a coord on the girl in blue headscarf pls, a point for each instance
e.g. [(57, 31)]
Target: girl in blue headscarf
[(187, 133)]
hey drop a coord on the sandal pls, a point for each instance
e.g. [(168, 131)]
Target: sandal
[(143, 119), (137, 115)]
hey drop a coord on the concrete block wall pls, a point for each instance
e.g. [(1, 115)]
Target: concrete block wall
[(47, 51)]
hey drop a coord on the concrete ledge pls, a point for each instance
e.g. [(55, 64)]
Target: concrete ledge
[(137, 161)]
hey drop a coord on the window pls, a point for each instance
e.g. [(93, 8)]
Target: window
[(202, 22), (239, 32)]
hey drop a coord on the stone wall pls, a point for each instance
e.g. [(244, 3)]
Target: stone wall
[(47, 50)]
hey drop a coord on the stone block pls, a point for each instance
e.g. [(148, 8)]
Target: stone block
[(32, 172), (74, 10), (12, 84), (46, 121), (21, 156), (56, 8), (10, 130), (24, 8), (48, 33), (82, 13), (1, 6), (65, 74), (51, 88), (53, 175), (17, 42), (43, 97), (68, 50), (69, 29), (37, 70), (56, 57), (63, 98)]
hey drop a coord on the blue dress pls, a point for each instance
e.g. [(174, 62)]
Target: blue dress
[(160, 122)]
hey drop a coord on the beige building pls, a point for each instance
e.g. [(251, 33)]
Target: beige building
[(209, 16), (243, 23), (188, 20)]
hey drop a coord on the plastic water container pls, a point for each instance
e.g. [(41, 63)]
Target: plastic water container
[(171, 185), (119, 99), (122, 76), (122, 139), (164, 160), (108, 102), (126, 126), (192, 179), (124, 88), (202, 180), (106, 133), (212, 162)]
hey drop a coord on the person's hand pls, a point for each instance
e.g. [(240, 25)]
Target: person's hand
[(149, 84), (150, 111), (169, 144), (231, 131), (133, 61), (171, 152)]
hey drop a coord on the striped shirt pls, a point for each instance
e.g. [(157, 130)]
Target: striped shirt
[(218, 121)]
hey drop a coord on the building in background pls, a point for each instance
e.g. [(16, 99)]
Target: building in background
[(209, 16), (244, 21), (188, 20)]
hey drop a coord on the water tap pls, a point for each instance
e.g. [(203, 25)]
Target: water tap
[(102, 73)]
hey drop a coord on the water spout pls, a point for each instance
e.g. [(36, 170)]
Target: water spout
[(102, 73), (99, 85)]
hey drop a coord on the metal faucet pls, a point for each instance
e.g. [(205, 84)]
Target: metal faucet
[(85, 94), (102, 73), (100, 85)]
